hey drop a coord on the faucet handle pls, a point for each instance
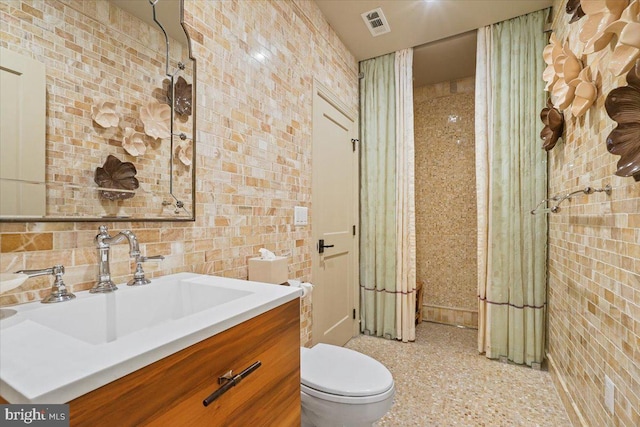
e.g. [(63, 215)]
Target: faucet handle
[(150, 258), (138, 276), (56, 270), (59, 291)]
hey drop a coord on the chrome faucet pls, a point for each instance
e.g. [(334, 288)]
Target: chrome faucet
[(59, 291), (103, 244)]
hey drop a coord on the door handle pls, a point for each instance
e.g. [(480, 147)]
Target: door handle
[(321, 246)]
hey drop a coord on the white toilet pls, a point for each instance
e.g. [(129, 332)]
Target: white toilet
[(341, 387)]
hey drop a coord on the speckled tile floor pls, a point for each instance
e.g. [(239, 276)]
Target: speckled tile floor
[(441, 380)]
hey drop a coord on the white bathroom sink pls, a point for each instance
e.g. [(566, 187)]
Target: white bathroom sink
[(53, 353), (112, 316)]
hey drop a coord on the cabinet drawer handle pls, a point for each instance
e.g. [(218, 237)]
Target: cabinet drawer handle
[(231, 382)]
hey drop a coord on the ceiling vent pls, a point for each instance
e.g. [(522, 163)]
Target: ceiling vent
[(376, 22)]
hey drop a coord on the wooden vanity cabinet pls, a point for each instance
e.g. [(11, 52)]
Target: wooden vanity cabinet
[(170, 391)]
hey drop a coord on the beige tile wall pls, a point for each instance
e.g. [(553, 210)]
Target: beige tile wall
[(257, 61), (445, 201), (594, 260)]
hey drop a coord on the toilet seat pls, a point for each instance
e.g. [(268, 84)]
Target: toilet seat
[(338, 374)]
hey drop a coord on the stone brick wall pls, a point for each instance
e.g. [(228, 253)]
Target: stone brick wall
[(594, 260), (257, 61)]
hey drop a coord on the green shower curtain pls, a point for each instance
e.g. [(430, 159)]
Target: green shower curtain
[(511, 178), (378, 198)]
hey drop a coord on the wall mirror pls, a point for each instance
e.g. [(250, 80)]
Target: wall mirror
[(114, 139)]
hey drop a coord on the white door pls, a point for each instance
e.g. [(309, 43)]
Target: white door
[(22, 135), (335, 217)]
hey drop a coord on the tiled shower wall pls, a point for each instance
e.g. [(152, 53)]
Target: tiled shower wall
[(257, 61), (445, 201), (594, 261)]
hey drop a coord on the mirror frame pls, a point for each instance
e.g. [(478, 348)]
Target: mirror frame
[(192, 217)]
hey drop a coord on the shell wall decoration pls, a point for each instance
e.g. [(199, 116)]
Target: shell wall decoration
[(627, 30), (623, 106), (568, 68), (599, 15), (156, 118), (550, 53), (574, 8), (185, 153), (585, 93), (104, 114), (118, 176), (573, 86), (133, 142), (183, 93), (553, 126)]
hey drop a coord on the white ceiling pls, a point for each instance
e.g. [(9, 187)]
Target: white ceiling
[(441, 31)]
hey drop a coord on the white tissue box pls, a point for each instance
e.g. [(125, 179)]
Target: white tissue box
[(274, 271)]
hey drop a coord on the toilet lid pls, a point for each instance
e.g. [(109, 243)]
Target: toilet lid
[(340, 371)]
